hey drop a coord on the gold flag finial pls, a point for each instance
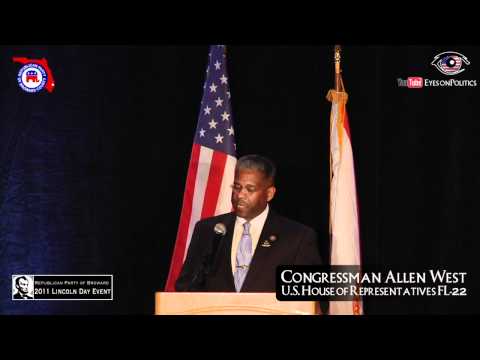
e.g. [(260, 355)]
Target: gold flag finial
[(337, 58)]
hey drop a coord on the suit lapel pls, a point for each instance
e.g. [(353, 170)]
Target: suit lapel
[(226, 251)]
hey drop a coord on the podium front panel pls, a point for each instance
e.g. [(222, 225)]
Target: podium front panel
[(196, 303)]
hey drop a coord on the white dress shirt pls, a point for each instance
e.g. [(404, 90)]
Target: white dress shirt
[(256, 227)]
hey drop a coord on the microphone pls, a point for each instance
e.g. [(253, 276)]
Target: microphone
[(209, 260), (220, 229)]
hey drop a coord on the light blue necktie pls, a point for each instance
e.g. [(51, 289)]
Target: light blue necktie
[(244, 256)]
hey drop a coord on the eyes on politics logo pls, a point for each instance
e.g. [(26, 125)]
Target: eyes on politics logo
[(450, 62), (34, 75)]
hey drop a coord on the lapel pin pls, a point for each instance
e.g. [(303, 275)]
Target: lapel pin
[(266, 243)]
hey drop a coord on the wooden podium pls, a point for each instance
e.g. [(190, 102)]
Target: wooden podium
[(197, 303)]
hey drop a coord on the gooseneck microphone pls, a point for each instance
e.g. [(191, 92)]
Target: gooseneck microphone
[(220, 229), (209, 258)]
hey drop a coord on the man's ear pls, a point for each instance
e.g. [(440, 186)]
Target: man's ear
[(271, 193)]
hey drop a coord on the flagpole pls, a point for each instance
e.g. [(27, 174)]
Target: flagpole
[(337, 58)]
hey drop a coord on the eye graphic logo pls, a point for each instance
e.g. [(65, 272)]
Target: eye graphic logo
[(450, 62)]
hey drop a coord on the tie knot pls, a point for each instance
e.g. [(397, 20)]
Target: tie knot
[(246, 228)]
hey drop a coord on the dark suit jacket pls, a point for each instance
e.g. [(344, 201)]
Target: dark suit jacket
[(208, 264), (17, 295)]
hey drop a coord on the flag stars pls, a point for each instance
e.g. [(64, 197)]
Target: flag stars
[(217, 65), (230, 130), (219, 102), (213, 88), (225, 116), (219, 138), (207, 110), (228, 94), (223, 79), (213, 124), (202, 133)]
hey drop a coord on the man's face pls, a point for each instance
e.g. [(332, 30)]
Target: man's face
[(251, 192), (22, 286)]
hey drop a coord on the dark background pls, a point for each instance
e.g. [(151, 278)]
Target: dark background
[(92, 175)]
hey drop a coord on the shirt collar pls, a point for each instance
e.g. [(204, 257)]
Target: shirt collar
[(258, 220)]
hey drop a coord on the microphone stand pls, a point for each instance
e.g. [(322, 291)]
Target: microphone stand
[(206, 265)]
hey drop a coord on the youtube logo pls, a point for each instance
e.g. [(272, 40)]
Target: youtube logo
[(415, 82)]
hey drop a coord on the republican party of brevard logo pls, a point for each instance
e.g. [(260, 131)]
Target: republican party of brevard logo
[(35, 75)]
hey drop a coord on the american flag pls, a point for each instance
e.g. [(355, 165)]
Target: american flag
[(451, 64), (212, 161)]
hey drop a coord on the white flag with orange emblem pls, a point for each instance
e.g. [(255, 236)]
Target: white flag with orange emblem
[(344, 221)]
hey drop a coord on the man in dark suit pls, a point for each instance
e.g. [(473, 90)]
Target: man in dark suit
[(21, 283), (241, 250)]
